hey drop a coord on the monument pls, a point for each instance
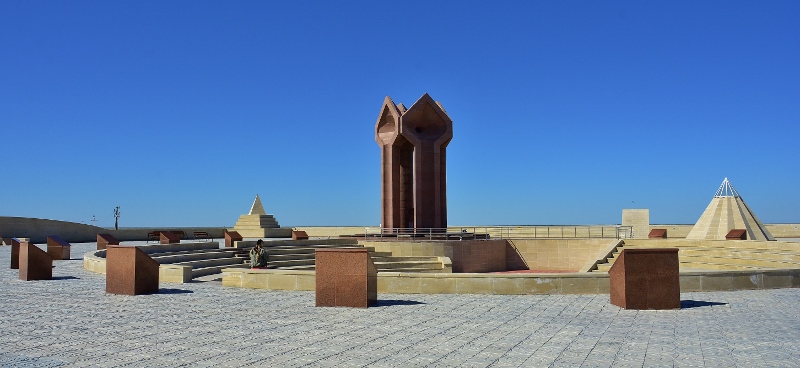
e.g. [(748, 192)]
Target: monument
[(413, 145), (258, 224), (727, 211)]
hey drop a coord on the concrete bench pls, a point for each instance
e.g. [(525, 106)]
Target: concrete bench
[(34, 263), (104, 240), (58, 248), (154, 236), (299, 235), (231, 237), (179, 233), (201, 235), (15, 253), (168, 237), (736, 234)]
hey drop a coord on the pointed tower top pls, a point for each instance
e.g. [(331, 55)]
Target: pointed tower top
[(726, 190), (257, 208)]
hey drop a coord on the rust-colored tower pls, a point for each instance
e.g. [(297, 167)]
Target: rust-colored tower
[(413, 163)]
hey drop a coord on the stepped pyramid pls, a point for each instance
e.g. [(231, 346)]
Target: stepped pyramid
[(728, 211), (257, 224)]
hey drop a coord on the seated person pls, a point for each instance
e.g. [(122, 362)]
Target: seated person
[(258, 256)]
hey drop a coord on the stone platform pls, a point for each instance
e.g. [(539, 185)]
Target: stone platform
[(72, 314)]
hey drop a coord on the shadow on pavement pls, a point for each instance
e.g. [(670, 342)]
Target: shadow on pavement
[(387, 303), (174, 291), (698, 303), (65, 278)]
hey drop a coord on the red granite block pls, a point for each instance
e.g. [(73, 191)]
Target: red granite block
[(230, 237), (299, 235), (657, 233), (130, 271), (14, 253), (168, 237), (345, 278), (736, 234), (646, 279), (6, 241), (34, 263), (58, 248), (104, 240)]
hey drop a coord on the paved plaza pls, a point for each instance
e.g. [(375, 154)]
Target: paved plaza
[(70, 321)]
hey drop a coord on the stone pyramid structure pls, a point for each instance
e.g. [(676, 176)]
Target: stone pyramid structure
[(728, 211), (258, 224)]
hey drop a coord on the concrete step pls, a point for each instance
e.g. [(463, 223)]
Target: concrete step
[(211, 262), (408, 265), (291, 262), (163, 258), (214, 269)]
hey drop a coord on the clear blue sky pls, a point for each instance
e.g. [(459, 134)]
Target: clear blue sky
[(564, 112)]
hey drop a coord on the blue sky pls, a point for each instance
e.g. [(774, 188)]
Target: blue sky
[(564, 112)]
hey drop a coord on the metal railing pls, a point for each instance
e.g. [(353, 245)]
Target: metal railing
[(501, 232)]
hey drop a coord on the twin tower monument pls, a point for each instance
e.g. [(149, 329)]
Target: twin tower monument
[(413, 145)]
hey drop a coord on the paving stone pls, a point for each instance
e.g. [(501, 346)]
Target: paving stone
[(70, 321)]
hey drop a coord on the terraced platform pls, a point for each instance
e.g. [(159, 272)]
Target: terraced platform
[(208, 259), (719, 255)]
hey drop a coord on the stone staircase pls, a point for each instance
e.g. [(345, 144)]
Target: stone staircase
[(720, 255), (208, 260), (288, 257)]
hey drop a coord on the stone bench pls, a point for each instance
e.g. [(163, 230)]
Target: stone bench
[(34, 263), (231, 237), (104, 240), (299, 235), (15, 253), (168, 237), (201, 235), (657, 234), (58, 248)]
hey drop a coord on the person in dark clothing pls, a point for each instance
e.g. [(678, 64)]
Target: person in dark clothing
[(258, 256)]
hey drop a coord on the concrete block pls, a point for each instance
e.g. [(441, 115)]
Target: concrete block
[(345, 278), (130, 271), (34, 263), (58, 248)]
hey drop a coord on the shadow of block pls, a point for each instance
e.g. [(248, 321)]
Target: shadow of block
[(646, 279), (14, 253), (168, 237), (34, 263), (299, 235), (104, 240), (736, 234), (230, 237), (345, 278), (130, 271), (58, 248), (657, 233)]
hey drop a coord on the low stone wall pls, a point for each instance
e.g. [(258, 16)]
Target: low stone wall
[(508, 284), (95, 261), (39, 229), (555, 254), (466, 256)]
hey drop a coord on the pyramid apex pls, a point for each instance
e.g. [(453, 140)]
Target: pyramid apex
[(257, 208), (726, 190)]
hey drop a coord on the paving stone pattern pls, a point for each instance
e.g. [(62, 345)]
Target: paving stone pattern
[(70, 321)]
